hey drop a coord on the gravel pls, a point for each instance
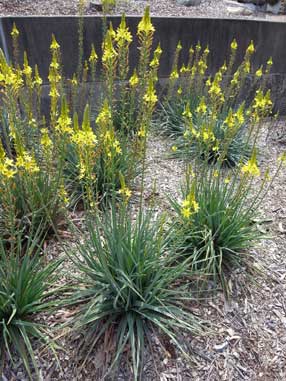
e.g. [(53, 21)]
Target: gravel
[(207, 8)]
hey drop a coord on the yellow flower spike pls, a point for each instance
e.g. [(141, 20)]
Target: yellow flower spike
[(250, 49), (74, 81), (239, 115), (179, 91), (75, 122), (37, 79), (233, 45), (63, 194), (187, 112), (93, 56), (251, 168), (158, 50), (54, 44), (86, 119), (189, 206), (174, 75), (198, 47), (145, 26), (123, 35), (15, 33), (179, 46), (109, 53), (64, 121), (134, 80), (46, 141), (259, 72), (230, 119), (104, 117), (202, 107), (27, 70), (150, 97)]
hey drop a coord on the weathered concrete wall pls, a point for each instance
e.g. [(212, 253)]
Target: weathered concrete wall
[(269, 39)]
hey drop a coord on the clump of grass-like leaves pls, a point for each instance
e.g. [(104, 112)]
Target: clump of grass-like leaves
[(214, 223), (25, 286), (125, 286)]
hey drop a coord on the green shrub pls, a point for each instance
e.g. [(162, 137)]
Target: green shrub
[(126, 281), (26, 284), (214, 223)]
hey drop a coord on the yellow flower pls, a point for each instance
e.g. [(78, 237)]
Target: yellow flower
[(174, 74), (104, 117), (117, 147), (125, 192), (251, 167), (174, 148), (233, 45), (122, 34), (93, 56), (150, 97), (134, 80), (202, 107), (37, 79), (259, 72), (239, 115), (184, 69), (7, 168), (142, 132), (230, 121), (84, 138), (251, 48), (54, 44), (216, 173), (186, 212), (227, 180), (54, 92), (189, 205), (145, 26), (45, 139), (74, 80), (27, 162), (187, 112), (63, 194), (179, 91), (15, 32)]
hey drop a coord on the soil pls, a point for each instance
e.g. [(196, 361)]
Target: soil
[(248, 338), (207, 8)]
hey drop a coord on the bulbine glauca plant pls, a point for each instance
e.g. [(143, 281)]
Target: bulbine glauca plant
[(133, 271)]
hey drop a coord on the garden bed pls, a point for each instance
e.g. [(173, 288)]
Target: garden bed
[(110, 156), (248, 340)]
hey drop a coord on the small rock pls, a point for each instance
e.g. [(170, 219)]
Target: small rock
[(221, 347), (276, 8), (96, 4), (240, 11), (189, 3)]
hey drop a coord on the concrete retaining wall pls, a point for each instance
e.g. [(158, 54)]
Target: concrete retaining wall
[(269, 39)]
